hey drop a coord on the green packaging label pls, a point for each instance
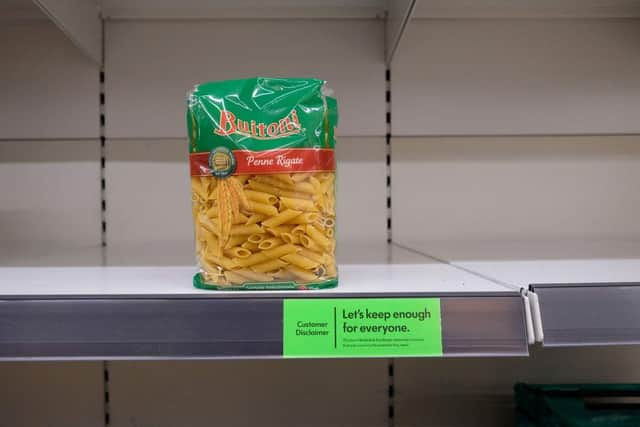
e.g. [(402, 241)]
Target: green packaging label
[(261, 113), (362, 327)]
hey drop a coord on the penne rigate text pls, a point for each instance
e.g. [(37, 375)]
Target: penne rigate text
[(263, 184)]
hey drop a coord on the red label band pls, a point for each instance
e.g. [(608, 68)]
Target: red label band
[(290, 160)]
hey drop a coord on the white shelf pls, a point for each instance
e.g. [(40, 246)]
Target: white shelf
[(355, 280), (523, 263), (242, 9), (168, 271), (93, 308), (588, 291), (527, 9)]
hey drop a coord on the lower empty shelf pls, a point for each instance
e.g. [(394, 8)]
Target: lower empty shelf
[(587, 292)]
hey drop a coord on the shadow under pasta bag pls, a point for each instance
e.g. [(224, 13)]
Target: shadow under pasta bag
[(263, 183)]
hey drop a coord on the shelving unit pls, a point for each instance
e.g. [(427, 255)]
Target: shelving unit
[(488, 156)]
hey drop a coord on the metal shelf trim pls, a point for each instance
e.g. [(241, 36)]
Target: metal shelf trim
[(589, 314)]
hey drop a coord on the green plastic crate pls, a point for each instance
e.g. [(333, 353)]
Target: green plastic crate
[(584, 405)]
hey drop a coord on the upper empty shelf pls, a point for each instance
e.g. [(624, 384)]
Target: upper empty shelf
[(588, 291), (527, 9), (72, 312), (219, 9)]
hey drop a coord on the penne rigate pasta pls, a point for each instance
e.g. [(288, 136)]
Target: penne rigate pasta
[(262, 208), (278, 230), (212, 243), (298, 204), (305, 218), (253, 247), (245, 229), (298, 177), (269, 243), (222, 261), (254, 275), (310, 244), (271, 265), (273, 182), (240, 218), (261, 197), (256, 238), (234, 278), (300, 261), (318, 226), (316, 256), (316, 184), (318, 237), (237, 252), (331, 270), (263, 184), (242, 178), (265, 255), (301, 273), (285, 177), (298, 230), (255, 218), (304, 187), (290, 238), (297, 195), (281, 218), (283, 274), (198, 190), (266, 188)]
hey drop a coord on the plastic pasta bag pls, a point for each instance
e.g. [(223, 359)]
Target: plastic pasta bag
[(263, 183)]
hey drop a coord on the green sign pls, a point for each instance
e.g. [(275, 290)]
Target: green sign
[(375, 327)]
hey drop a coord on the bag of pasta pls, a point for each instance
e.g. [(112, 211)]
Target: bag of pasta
[(263, 183)]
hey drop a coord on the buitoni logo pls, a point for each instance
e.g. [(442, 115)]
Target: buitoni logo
[(229, 125)]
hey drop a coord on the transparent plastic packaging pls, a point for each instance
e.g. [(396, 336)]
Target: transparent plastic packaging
[(263, 183)]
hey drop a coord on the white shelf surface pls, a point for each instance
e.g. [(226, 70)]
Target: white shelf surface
[(527, 9), (523, 263), (243, 9), (393, 270), (436, 279)]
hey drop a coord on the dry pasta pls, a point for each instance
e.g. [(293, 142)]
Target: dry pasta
[(263, 183)]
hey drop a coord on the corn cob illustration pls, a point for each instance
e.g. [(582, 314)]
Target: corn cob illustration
[(225, 212), (238, 192)]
